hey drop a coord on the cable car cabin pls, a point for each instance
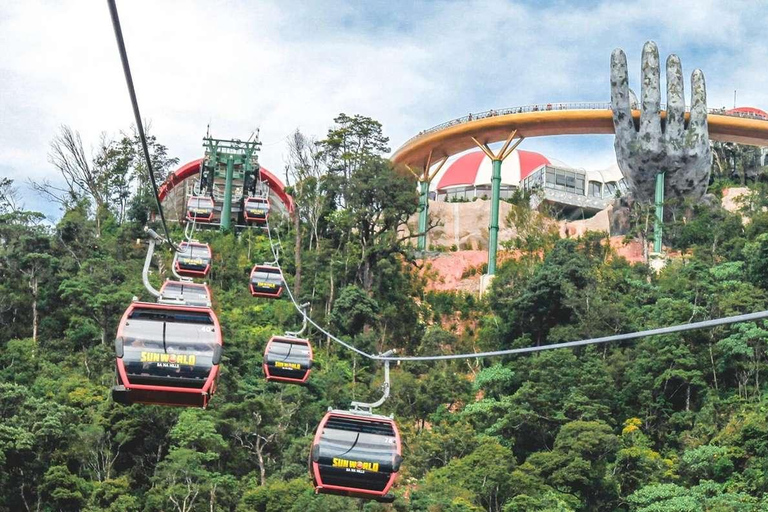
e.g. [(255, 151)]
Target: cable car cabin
[(190, 294), (288, 359), (200, 209), (266, 281), (356, 454), (256, 210), (193, 259), (167, 355)]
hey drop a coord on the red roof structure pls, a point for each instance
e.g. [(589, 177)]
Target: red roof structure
[(192, 168), (475, 168)]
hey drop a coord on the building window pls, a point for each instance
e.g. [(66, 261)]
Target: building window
[(534, 180), (567, 181), (595, 189), (610, 189)]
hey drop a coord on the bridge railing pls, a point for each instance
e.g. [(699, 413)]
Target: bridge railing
[(539, 107)]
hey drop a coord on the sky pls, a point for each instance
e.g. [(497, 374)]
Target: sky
[(282, 65)]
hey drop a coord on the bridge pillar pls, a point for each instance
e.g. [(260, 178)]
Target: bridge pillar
[(658, 225), (424, 178), (497, 159), (423, 214)]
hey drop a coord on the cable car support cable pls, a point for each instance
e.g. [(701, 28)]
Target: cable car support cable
[(137, 114)]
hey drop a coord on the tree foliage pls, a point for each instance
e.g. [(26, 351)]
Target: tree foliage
[(675, 422)]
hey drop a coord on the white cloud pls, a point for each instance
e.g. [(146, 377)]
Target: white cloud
[(280, 65)]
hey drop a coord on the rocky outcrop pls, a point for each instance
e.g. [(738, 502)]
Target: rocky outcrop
[(601, 221), (463, 226)]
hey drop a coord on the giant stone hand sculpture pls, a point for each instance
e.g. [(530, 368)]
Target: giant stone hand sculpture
[(669, 146)]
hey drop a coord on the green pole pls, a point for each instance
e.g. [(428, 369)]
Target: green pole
[(226, 209), (493, 235), (423, 215), (657, 228)]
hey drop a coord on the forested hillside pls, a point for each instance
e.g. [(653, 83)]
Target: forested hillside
[(669, 423)]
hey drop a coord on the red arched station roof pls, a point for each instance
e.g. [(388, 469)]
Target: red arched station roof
[(749, 110), (193, 167)]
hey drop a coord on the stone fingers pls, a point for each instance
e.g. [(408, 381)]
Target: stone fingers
[(650, 120), (620, 98), (697, 127), (675, 125)]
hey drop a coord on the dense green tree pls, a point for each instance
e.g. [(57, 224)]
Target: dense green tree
[(675, 422)]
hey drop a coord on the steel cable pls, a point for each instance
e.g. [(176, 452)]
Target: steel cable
[(137, 115), (704, 324)]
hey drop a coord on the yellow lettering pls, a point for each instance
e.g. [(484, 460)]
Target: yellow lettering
[(156, 357), (353, 464)]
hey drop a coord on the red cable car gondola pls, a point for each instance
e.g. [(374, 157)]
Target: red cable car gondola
[(167, 355), (356, 454), (191, 294), (288, 359), (193, 259), (266, 281), (256, 210), (200, 209)]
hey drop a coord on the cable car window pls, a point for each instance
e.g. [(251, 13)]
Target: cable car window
[(163, 335), (267, 274), (194, 251), (148, 340), (164, 315), (192, 294), (353, 425), (194, 337), (376, 453), (199, 202)]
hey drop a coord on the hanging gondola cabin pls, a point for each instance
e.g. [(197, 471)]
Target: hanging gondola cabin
[(356, 454), (200, 209), (256, 210), (190, 294), (167, 355), (266, 281), (193, 259), (288, 359)]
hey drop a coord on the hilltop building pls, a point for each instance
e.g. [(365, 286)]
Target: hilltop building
[(573, 192)]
